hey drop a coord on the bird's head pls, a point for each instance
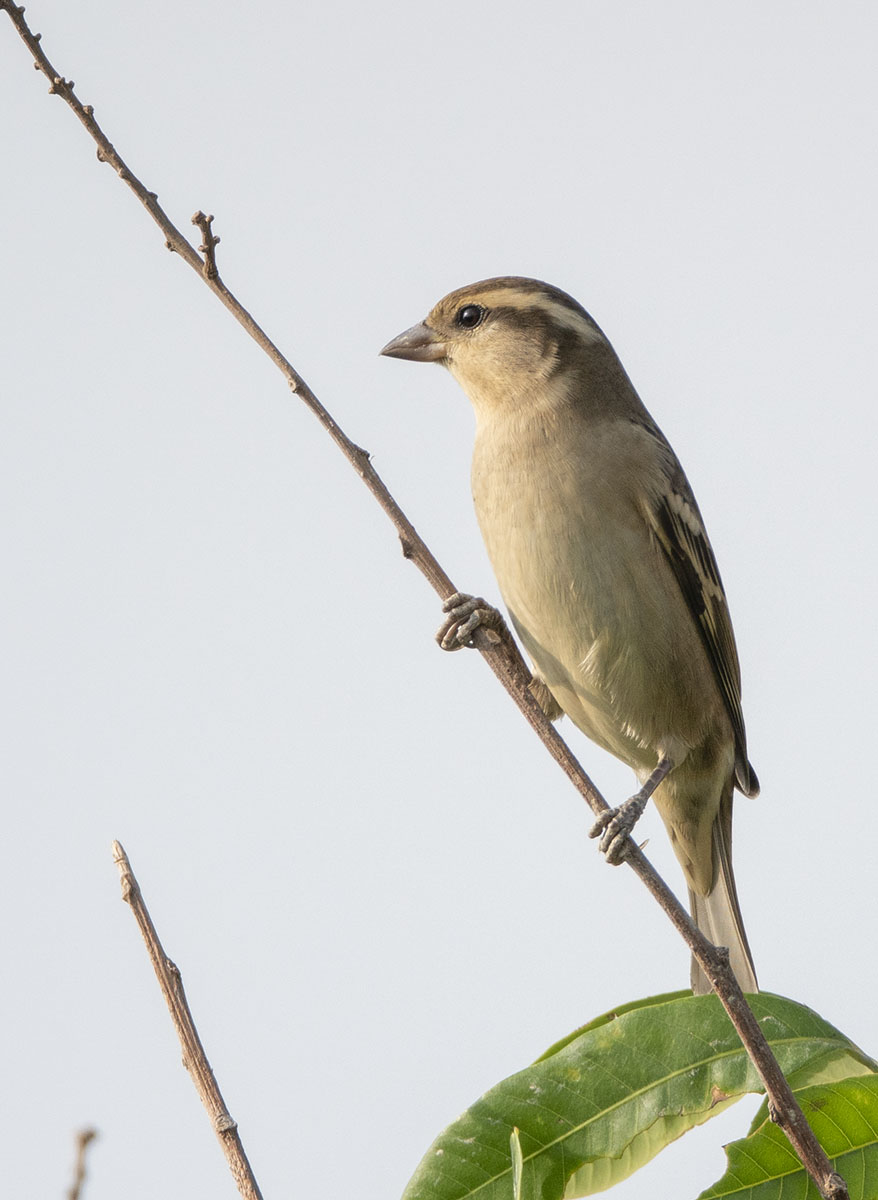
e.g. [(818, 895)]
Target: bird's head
[(501, 336)]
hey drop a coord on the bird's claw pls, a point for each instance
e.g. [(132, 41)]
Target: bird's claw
[(465, 614), (614, 828)]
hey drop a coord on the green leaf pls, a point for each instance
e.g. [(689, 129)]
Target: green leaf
[(830, 1069), (843, 1115), (613, 1015), (604, 1101)]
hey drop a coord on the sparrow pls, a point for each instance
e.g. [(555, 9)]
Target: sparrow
[(606, 570)]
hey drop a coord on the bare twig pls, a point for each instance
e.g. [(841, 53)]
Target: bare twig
[(501, 654), (194, 1058), (83, 1139)]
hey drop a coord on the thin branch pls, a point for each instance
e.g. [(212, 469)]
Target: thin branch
[(499, 651), (194, 1058), (83, 1139)]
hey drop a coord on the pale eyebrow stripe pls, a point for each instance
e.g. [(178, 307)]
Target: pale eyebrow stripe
[(559, 313)]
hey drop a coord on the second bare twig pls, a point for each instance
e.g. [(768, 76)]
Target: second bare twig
[(194, 1058)]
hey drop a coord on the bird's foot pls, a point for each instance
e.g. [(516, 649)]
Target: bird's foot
[(614, 828), (463, 616)]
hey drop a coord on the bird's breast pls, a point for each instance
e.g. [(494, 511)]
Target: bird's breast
[(586, 586), (557, 527)]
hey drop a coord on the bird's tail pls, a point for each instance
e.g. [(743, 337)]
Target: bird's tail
[(718, 915)]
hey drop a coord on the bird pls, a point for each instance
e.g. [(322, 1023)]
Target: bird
[(606, 571)]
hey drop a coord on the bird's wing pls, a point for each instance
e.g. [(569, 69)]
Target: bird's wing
[(676, 523)]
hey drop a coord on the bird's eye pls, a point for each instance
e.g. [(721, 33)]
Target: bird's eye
[(470, 316)]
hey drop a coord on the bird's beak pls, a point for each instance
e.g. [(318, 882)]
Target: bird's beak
[(420, 344)]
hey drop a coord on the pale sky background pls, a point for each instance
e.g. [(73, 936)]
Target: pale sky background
[(377, 885)]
